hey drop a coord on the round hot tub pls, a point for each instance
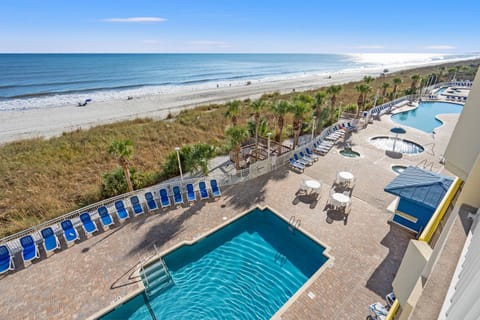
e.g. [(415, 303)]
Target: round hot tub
[(396, 145), (349, 153), (398, 168)]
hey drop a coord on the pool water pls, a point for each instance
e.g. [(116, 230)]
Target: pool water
[(246, 270), (396, 145), (349, 153), (441, 90), (423, 117)]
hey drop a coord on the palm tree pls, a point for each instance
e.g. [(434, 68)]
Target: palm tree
[(413, 86), (385, 86), (123, 150), (318, 106), (442, 72), (280, 109), (396, 83), (363, 89), (333, 91), (257, 106), (236, 135), (451, 73), (298, 108), (368, 79), (232, 111)]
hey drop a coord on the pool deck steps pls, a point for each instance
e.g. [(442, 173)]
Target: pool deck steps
[(156, 278)]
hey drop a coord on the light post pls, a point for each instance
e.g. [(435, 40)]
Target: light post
[(177, 149), (313, 126), (269, 134)]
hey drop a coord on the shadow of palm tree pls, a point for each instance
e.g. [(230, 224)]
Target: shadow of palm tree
[(245, 194)]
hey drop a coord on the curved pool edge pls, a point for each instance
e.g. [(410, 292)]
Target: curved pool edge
[(326, 252), (435, 116), (369, 139)]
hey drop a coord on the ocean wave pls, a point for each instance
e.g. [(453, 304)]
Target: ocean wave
[(369, 63)]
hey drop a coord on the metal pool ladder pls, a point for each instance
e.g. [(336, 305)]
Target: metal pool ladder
[(294, 223), (156, 278)]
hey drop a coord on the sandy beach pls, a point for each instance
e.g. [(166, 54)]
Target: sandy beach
[(48, 122)]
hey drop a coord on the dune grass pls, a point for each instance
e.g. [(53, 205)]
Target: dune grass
[(42, 179)]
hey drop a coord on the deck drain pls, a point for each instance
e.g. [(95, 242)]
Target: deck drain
[(311, 295)]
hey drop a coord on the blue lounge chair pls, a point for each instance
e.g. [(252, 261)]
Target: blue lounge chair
[(69, 231), (307, 157), (50, 240), (215, 189), (164, 199), (191, 195), (300, 160), (6, 260), (203, 190), (88, 225), (311, 154), (296, 165), (29, 248), (122, 213), (151, 203), (177, 195), (136, 205), (105, 217)]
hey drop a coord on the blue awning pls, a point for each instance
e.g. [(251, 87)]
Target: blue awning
[(420, 186)]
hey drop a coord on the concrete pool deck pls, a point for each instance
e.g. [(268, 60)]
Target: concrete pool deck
[(77, 282)]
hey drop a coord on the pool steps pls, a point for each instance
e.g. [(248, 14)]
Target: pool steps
[(156, 278)]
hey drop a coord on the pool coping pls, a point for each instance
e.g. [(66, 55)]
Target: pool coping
[(141, 288)]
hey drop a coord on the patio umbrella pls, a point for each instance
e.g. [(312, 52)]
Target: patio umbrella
[(397, 131)]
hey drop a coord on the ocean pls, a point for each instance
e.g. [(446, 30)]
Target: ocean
[(30, 81)]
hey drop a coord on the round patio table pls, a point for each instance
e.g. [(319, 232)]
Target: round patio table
[(345, 177), (312, 184), (340, 200)]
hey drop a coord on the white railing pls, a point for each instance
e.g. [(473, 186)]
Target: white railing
[(255, 170)]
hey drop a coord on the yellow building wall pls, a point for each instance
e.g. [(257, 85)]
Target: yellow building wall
[(464, 145)]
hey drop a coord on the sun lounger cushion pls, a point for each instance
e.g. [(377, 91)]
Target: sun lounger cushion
[(121, 211), (29, 248), (151, 203), (69, 231), (6, 260), (191, 196), (136, 205), (50, 240), (88, 225), (215, 190), (105, 217), (203, 190), (164, 199), (177, 195)]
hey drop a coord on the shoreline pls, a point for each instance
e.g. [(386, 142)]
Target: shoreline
[(50, 122)]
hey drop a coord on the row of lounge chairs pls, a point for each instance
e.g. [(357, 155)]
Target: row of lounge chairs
[(454, 98), (302, 159), (51, 241), (378, 111)]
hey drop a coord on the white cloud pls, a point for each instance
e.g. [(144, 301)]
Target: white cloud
[(440, 47), (136, 19), (373, 46)]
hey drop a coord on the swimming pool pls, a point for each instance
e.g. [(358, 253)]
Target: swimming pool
[(424, 117), (246, 270), (441, 90)]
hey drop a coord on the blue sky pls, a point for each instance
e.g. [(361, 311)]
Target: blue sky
[(239, 26)]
